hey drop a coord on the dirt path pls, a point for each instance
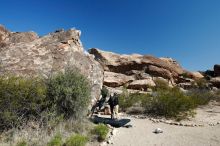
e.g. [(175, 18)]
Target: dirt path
[(141, 134)]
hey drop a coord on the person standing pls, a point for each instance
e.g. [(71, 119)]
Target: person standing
[(114, 105)]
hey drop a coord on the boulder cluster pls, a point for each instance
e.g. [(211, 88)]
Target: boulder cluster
[(27, 54), (139, 72)]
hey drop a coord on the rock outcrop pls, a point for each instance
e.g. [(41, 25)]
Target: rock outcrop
[(26, 54), (112, 79), (136, 71), (142, 85)]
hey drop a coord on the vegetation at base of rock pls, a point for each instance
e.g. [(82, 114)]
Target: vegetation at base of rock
[(22, 143), (168, 102), (201, 84), (161, 85), (69, 92), (100, 131), (20, 99), (55, 141), (127, 100), (65, 95), (104, 92), (76, 140)]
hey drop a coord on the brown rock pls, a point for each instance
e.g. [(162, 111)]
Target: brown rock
[(112, 79), (28, 55), (142, 85), (158, 71), (196, 75), (123, 64)]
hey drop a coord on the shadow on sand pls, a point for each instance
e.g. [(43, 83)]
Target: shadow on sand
[(112, 122)]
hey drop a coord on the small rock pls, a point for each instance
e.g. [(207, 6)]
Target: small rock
[(161, 120), (211, 124), (176, 123), (109, 142), (218, 123), (158, 130), (167, 122)]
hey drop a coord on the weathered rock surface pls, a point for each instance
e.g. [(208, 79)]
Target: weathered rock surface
[(112, 79), (136, 71), (125, 63), (26, 54), (142, 85), (217, 70), (196, 75)]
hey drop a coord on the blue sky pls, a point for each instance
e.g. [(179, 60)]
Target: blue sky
[(186, 30)]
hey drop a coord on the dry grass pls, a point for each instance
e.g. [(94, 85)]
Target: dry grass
[(35, 136)]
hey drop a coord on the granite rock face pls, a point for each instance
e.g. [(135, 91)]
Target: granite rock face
[(136, 71), (26, 54)]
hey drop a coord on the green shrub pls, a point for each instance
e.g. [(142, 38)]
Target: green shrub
[(201, 97), (101, 131), (124, 100), (69, 92), (20, 99), (22, 143), (169, 103), (104, 92), (76, 140), (55, 141), (161, 85), (127, 100), (201, 84)]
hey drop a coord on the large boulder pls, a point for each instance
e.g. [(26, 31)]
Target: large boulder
[(25, 54), (197, 75), (142, 85), (217, 70), (112, 79), (129, 64)]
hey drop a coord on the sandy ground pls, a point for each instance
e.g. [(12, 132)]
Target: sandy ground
[(141, 134)]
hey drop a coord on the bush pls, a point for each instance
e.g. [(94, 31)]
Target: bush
[(127, 100), (76, 140), (161, 85), (22, 143), (101, 131), (201, 96), (69, 92), (169, 103), (104, 92), (201, 84), (56, 141), (20, 99)]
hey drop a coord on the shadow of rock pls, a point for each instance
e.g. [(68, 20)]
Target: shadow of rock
[(114, 123)]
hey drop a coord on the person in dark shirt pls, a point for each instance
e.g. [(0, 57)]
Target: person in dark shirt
[(114, 105)]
